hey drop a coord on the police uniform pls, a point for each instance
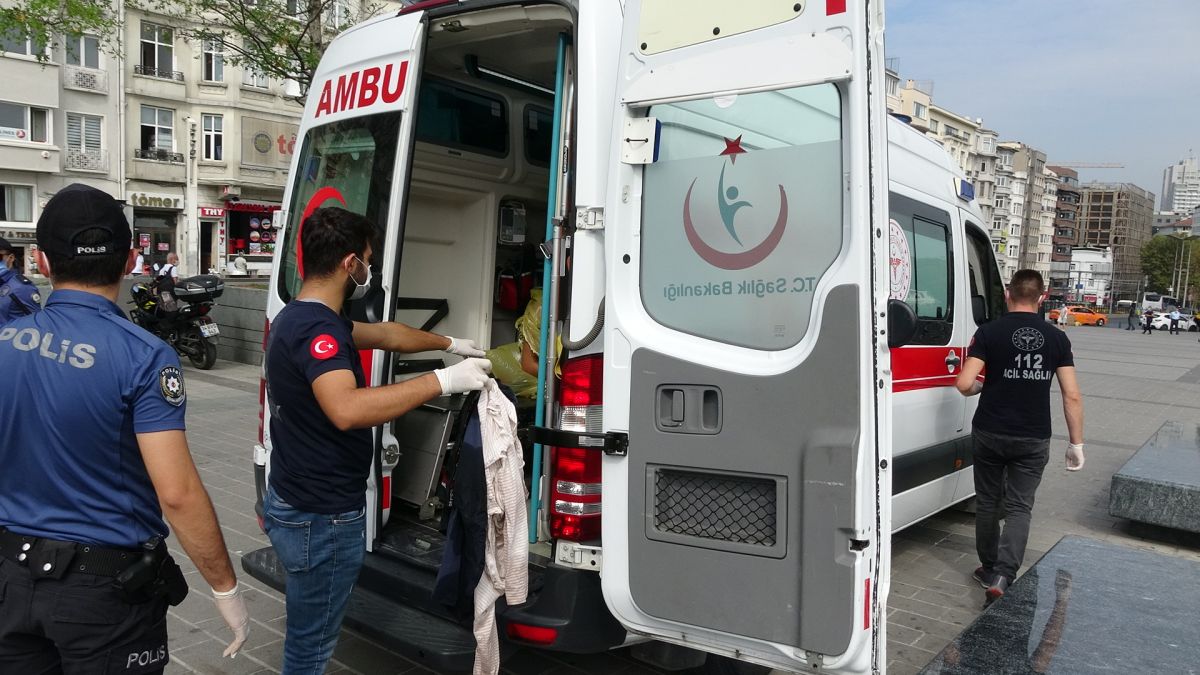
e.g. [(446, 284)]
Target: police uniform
[(76, 502), (18, 295)]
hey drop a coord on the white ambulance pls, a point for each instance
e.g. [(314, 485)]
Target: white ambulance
[(702, 191)]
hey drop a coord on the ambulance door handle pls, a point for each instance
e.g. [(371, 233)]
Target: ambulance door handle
[(952, 360)]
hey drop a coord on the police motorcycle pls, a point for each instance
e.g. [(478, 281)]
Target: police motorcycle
[(178, 314)]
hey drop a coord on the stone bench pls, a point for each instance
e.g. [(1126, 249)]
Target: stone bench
[(1087, 606), (1160, 484)]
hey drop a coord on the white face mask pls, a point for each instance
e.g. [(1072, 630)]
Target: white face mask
[(360, 289)]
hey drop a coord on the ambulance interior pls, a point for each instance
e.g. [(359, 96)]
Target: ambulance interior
[(476, 215)]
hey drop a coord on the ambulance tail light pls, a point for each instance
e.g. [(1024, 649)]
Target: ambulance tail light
[(262, 386), (575, 473)]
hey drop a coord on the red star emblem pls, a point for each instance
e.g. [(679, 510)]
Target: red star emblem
[(733, 148)]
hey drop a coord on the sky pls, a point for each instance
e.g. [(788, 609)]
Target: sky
[(1082, 80)]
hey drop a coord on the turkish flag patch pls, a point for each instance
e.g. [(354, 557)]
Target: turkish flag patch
[(323, 347)]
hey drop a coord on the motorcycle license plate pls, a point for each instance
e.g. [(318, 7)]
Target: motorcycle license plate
[(209, 329)]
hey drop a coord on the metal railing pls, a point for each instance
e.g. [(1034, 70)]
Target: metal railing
[(79, 159), (158, 155), (162, 73), (85, 79)]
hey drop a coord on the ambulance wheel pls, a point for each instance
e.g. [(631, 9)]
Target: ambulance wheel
[(1099, 322), (207, 358)]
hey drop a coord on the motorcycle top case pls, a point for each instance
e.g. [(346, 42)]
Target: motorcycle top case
[(198, 288)]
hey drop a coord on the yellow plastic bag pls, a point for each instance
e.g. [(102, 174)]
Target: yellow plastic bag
[(506, 366)]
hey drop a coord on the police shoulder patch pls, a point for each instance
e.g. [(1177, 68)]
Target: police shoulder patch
[(170, 381)]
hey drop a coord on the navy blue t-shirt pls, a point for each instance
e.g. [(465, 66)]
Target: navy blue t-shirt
[(314, 466), (81, 381)]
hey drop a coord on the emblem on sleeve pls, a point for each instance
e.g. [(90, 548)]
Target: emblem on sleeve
[(170, 381), (323, 347)]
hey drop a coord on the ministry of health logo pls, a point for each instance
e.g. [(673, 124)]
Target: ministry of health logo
[(728, 206)]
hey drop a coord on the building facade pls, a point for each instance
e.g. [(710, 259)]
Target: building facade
[(1181, 186), (1066, 225), (1090, 275), (1118, 216)]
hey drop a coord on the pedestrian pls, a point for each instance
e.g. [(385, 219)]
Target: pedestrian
[(322, 413), (171, 269), (139, 265), (18, 295), (1148, 322), (1011, 428), (1133, 315), (1174, 316), (94, 455)]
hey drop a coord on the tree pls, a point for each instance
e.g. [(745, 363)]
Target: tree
[(47, 23), (1161, 261), (283, 39)]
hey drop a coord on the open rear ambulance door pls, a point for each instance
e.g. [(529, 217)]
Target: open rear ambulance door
[(746, 354)]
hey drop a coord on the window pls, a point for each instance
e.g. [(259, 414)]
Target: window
[(214, 60), (931, 283), (158, 128), (253, 77), (294, 7), (16, 203), (84, 132), (24, 123), (158, 51), (987, 292), (933, 126), (83, 50), (337, 14), (462, 118), (893, 86), (951, 131), (918, 111), (539, 126), (20, 45), (733, 234), (214, 137)]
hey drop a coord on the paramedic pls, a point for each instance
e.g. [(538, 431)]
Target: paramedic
[(321, 418), (1011, 428), (18, 295), (94, 455)]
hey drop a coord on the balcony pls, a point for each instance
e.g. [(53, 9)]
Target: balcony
[(85, 79), (78, 159), (158, 72), (158, 155)]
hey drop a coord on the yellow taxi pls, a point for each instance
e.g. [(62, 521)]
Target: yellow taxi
[(1080, 316)]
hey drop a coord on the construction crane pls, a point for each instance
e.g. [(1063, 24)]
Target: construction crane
[(1087, 165)]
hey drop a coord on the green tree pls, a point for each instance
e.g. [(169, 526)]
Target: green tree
[(48, 22), (1161, 260)]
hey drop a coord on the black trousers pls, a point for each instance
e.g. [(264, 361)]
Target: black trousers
[(1008, 471), (78, 624)]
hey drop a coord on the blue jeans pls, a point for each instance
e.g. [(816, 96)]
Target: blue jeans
[(322, 554)]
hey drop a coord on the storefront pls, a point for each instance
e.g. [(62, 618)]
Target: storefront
[(212, 229), (155, 223), (249, 234)]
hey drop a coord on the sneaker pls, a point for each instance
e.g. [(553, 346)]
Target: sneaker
[(984, 576), (996, 590)]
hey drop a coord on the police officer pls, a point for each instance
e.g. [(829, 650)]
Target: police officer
[(18, 295), (90, 450)]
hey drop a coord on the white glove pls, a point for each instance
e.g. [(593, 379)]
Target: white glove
[(463, 347), (1074, 456), (464, 376), (232, 607)]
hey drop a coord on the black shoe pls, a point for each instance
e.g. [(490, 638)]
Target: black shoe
[(984, 576), (996, 590)]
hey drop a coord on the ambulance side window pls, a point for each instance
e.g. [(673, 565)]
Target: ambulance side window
[(931, 264), (987, 292)]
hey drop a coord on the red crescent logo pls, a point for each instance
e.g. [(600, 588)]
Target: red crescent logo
[(323, 347), (734, 261), (319, 197)]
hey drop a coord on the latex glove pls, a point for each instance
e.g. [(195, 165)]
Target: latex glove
[(463, 347), (464, 376), (1074, 456), (232, 607)]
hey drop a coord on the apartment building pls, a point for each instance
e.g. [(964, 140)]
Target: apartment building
[(1118, 216), (1181, 187), (1066, 222)]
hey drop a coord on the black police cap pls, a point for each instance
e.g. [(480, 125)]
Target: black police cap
[(78, 209), (4, 245)]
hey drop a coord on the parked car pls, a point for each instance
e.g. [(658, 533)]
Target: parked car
[(1162, 321), (1080, 316)]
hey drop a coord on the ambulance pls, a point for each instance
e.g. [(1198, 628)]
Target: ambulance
[(760, 323)]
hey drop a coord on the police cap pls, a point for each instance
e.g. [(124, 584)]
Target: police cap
[(4, 245), (77, 209)]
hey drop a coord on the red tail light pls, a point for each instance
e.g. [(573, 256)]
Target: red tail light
[(575, 473), (262, 385), (537, 635)]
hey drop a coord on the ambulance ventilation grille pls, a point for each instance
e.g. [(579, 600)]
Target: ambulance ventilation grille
[(735, 509)]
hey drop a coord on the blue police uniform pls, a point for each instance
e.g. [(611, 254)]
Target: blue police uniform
[(18, 295), (72, 468)]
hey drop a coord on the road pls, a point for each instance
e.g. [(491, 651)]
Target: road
[(1132, 383)]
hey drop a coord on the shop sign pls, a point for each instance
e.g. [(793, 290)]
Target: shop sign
[(212, 212), (155, 200), (268, 143), (10, 132)]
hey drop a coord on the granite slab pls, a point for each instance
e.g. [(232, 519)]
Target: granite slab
[(1087, 606), (1160, 484)]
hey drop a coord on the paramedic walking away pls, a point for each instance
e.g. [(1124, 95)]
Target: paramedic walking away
[(94, 455), (1011, 429), (321, 418)]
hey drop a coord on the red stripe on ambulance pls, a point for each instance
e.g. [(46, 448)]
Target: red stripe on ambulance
[(362, 88)]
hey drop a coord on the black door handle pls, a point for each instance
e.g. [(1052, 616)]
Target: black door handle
[(952, 360)]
